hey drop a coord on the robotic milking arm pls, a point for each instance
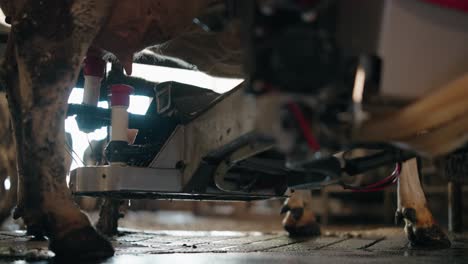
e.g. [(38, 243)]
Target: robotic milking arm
[(332, 86)]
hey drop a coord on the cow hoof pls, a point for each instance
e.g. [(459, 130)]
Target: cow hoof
[(300, 222), (427, 237), (310, 230), (85, 243)]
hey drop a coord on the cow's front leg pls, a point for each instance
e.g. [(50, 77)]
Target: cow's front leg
[(47, 43), (300, 219), (420, 226), (44, 200)]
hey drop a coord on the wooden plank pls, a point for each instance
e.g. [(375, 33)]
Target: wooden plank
[(263, 245), (309, 245), (390, 243), (355, 243), (243, 240)]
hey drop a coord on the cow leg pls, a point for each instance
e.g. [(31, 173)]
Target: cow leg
[(420, 226), (109, 216), (7, 162), (8, 197), (47, 44), (299, 219)]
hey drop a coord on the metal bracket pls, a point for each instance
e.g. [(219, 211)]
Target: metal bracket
[(123, 178), (240, 154), (163, 99)]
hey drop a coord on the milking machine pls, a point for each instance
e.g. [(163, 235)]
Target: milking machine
[(335, 89), (195, 144)]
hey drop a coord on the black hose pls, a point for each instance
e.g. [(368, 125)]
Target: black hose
[(362, 164)]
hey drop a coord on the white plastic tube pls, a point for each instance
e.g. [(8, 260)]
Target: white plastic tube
[(93, 71), (119, 123), (92, 86), (120, 100)]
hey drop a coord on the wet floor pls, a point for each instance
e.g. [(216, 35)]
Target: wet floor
[(385, 245)]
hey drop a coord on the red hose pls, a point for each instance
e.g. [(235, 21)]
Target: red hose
[(380, 185), (304, 125), (314, 145), (461, 5)]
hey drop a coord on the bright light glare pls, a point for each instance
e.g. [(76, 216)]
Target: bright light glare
[(139, 104), (359, 82), (7, 183), (2, 20), (200, 79)]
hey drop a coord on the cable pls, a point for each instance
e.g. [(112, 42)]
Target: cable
[(304, 126), (70, 152), (378, 186), (78, 157), (71, 155), (93, 155)]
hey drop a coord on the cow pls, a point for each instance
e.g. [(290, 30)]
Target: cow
[(47, 44)]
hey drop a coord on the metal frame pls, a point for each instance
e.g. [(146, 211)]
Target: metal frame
[(124, 178), (222, 130)]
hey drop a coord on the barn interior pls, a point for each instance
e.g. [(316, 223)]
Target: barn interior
[(155, 205)]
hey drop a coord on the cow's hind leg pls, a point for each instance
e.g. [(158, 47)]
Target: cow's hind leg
[(7, 162), (47, 43), (420, 226), (300, 219)]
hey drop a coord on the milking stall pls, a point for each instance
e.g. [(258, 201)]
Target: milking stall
[(233, 131)]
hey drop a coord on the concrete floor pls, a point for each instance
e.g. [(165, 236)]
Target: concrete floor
[(384, 245)]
